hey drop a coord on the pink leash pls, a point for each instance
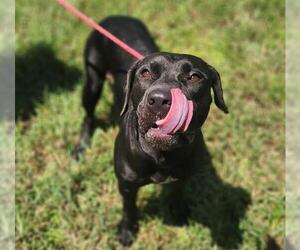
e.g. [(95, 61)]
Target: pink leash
[(100, 29)]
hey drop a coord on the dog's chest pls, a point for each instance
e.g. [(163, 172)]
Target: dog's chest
[(159, 177), (151, 174), (163, 171), (163, 174)]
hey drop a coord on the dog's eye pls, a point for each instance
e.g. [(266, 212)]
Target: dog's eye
[(194, 78), (146, 73)]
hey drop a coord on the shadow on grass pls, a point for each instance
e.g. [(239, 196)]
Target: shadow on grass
[(273, 245), (39, 70), (212, 202)]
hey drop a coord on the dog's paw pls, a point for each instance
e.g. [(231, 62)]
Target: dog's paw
[(126, 235), (77, 152)]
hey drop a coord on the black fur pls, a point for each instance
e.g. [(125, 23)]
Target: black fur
[(139, 158)]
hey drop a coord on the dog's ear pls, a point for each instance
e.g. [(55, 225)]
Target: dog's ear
[(218, 91), (128, 86)]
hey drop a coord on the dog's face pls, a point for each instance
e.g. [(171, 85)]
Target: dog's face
[(148, 93)]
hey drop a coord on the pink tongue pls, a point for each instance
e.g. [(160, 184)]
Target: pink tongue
[(179, 115)]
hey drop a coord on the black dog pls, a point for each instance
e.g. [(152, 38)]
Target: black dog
[(142, 92)]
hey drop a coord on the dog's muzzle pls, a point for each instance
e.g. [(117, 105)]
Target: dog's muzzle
[(179, 115), (164, 117)]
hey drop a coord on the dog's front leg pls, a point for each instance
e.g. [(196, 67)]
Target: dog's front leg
[(128, 227), (178, 207)]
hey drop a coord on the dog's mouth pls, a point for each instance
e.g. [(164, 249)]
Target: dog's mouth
[(156, 133), (163, 133), (179, 115)]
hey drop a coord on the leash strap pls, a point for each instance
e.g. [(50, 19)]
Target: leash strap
[(100, 29)]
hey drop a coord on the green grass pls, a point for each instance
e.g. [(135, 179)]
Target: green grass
[(66, 205)]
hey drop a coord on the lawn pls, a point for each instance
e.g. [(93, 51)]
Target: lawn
[(238, 203)]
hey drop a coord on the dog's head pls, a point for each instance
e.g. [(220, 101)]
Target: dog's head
[(157, 82)]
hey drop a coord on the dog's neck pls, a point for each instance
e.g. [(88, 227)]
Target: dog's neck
[(158, 156)]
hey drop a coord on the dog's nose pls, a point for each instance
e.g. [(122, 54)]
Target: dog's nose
[(159, 101)]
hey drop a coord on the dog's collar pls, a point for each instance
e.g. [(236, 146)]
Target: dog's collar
[(160, 178)]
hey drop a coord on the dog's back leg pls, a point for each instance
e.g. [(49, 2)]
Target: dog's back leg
[(95, 71)]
